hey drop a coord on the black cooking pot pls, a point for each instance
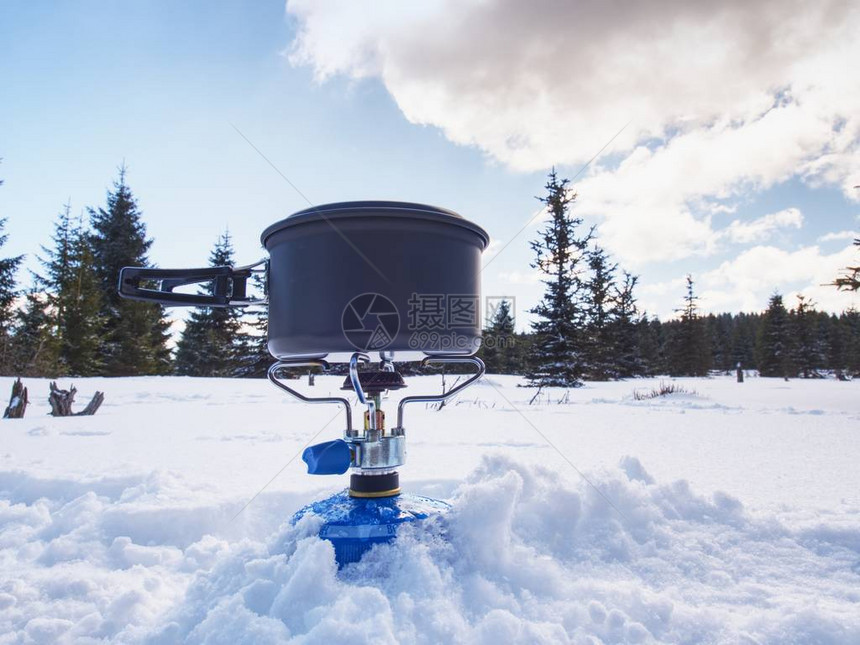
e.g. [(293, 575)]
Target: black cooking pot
[(352, 276)]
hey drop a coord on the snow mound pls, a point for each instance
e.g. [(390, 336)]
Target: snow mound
[(525, 557)]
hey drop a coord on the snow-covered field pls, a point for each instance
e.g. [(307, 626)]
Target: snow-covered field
[(727, 515)]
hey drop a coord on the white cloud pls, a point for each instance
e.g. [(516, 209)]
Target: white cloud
[(519, 277), (762, 228), (655, 203), (668, 287), (723, 98), (546, 82), (493, 247), (745, 282), (841, 235)]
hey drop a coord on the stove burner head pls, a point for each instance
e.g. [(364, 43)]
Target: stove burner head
[(375, 382)]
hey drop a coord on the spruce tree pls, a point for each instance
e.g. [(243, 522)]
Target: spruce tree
[(74, 294), (82, 323), (211, 339), (600, 349), (719, 334), (253, 348), (35, 346), (134, 334), (520, 351), (808, 355), (834, 337), (558, 357), (743, 339), (623, 334), (651, 340), (498, 345), (774, 342), (689, 352), (58, 264), (850, 322), (8, 293)]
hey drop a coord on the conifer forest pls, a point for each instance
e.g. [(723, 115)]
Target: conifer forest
[(68, 320)]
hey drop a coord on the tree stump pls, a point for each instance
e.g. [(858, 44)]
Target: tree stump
[(92, 406), (61, 402), (17, 402)]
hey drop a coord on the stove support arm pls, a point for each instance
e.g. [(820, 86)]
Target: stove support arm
[(432, 398), (309, 399)]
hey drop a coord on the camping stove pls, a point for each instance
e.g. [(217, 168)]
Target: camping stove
[(371, 509), (344, 277)]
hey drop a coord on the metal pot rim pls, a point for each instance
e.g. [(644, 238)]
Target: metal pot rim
[(370, 209)]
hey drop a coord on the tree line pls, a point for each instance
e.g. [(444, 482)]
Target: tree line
[(781, 342), (73, 323), (588, 326)]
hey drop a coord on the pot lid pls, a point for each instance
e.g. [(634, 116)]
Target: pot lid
[(369, 209)]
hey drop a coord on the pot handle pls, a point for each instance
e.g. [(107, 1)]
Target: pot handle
[(229, 288)]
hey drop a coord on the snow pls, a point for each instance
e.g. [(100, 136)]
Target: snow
[(729, 514)]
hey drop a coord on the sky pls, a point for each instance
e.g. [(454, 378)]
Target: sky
[(721, 141)]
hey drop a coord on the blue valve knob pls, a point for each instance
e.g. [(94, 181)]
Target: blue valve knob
[(328, 458)]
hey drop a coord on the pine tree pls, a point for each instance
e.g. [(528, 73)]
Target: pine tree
[(719, 333), (850, 322), (253, 348), (558, 355), (744, 330), (600, 350), (651, 340), (623, 334), (497, 347), (834, 336), (58, 264), (520, 352), (211, 341), (74, 295), (134, 334), (82, 323), (8, 293), (808, 352), (774, 343), (689, 352), (35, 346)]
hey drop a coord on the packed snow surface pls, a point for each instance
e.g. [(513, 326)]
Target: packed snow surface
[(727, 514)]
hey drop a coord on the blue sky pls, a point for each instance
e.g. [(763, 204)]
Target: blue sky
[(351, 101)]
